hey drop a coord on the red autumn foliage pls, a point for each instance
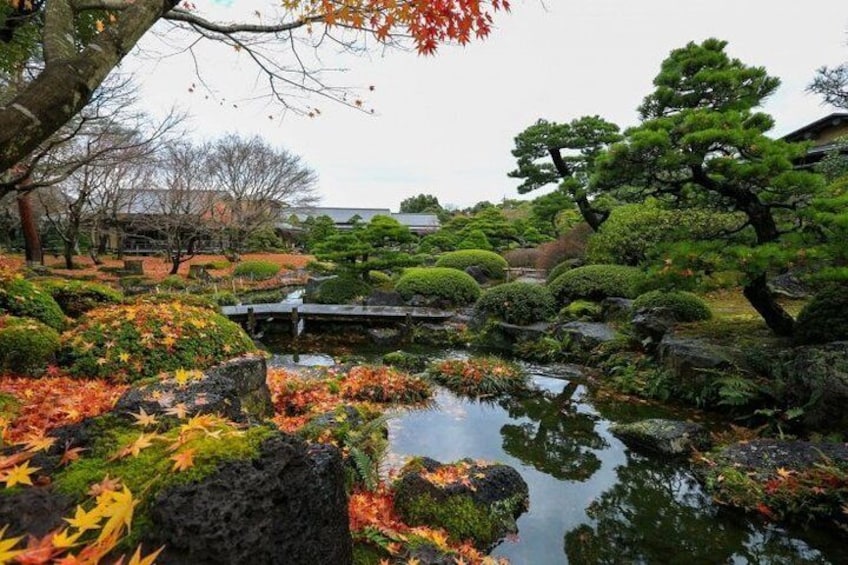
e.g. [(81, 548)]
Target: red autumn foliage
[(43, 404), (570, 245)]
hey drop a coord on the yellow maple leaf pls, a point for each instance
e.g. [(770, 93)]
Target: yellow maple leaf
[(137, 559), (39, 443), (143, 441), (183, 461), (182, 376), (7, 554), (784, 473), (84, 521), (124, 357), (118, 509), (144, 419), (19, 475), (179, 410), (65, 540)]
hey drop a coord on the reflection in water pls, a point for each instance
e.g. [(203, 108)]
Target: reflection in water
[(586, 490), (658, 514), (558, 439)]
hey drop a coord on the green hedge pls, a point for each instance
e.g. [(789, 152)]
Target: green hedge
[(493, 264), (256, 270), (26, 346), (125, 343), (596, 282), (449, 285), (517, 303), (341, 290), (78, 297), (561, 268), (19, 297), (685, 306), (824, 318)]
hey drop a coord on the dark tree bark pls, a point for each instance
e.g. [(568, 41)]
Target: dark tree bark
[(762, 299), (591, 215), (29, 229)]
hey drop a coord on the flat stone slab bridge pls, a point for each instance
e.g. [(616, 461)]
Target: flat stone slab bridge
[(253, 313)]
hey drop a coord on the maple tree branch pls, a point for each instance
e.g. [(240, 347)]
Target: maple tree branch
[(180, 15), (84, 5)]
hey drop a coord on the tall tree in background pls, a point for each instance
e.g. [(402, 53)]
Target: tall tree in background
[(701, 144), (422, 203), (259, 181), (564, 154), (82, 41)]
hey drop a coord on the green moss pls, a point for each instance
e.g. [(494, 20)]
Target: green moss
[(19, 297), (256, 270), (26, 345), (78, 297), (151, 470), (581, 310), (459, 515)]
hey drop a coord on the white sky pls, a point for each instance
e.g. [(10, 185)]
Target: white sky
[(444, 125)]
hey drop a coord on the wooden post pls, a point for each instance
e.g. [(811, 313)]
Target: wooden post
[(134, 266), (251, 322), (408, 325), (295, 321)]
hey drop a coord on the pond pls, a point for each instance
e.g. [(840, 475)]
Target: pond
[(591, 499)]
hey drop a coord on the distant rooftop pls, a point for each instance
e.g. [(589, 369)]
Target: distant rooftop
[(343, 217)]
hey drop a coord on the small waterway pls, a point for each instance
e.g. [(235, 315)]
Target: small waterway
[(591, 499)]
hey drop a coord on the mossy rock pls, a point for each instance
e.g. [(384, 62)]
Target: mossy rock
[(26, 346), (666, 437), (470, 500), (19, 297), (581, 310), (792, 480), (78, 297), (406, 361), (125, 343)]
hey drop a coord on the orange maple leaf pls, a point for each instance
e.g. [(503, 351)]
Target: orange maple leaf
[(183, 460)]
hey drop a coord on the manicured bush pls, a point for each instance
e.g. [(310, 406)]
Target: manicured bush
[(26, 345), (78, 297), (825, 317), (19, 297), (256, 270), (224, 298), (479, 376), (341, 290), (596, 282), (563, 267), (173, 282), (570, 245), (125, 343), (493, 264), (522, 257), (685, 306), (379, 278), (517, 303), (448, 285)]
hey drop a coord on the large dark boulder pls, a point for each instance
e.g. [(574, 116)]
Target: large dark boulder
[(817, 378), (236, 389), (615, 309), (468, 499), (385, 336), (477, 273), (790, 286), (650, 325), (692, 360), (286, 507), (586, 336), (384, 298), (34, 510), (665, 437)]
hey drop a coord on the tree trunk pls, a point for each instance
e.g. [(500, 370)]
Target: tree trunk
[(29, 229), (68, 252), (65, 85), (761, 298)]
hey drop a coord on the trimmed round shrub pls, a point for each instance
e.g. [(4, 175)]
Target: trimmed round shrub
[(493, 264), (341, 290), (596, 282), (449, 285), (563, 267), (256, 270), (19, 297), (824, 318), (26, 346), (76, 298), (125, 343), (685, 306), (379, 278), (173, 282), (517, 303)]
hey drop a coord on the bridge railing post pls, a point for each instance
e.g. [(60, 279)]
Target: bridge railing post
[(251, 322), (295, 321)]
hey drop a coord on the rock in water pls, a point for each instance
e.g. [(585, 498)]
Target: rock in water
[(470, 500), (666, 437)]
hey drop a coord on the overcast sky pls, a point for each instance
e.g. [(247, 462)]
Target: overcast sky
[(444, 125)]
